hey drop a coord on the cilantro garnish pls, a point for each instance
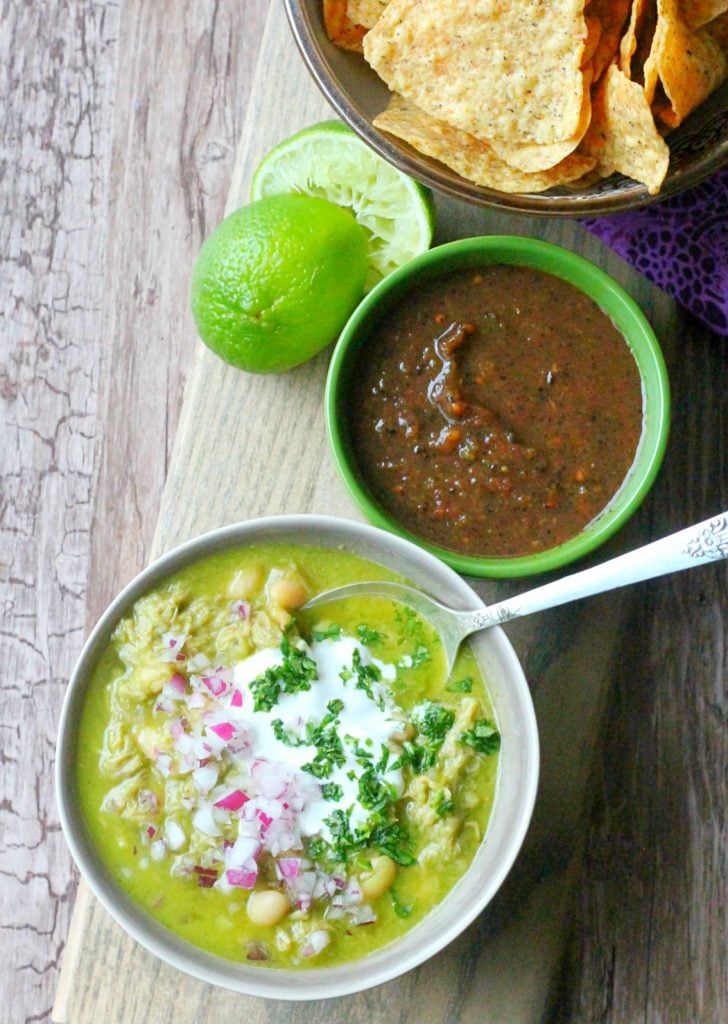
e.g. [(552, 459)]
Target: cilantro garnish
[(394, 840), (443, 804), (334, 709), (369, 636), (410, 626), (374, 793), (365, 676), (401, 909), (483, 737), (332, 632), (329, 751), (421, 655), (460, 685), (317, 848), (279, 731), (332, 791), (385, 836), (433, 722), (297, 672)]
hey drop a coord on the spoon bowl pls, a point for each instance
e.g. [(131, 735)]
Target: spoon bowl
[(697, 545)]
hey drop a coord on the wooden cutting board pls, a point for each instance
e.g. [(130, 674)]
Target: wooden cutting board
[(250, 446)]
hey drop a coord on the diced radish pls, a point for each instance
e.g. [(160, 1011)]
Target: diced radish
[(225, 730), (288, 867), (241, 879), (178, 683), (232, 801)]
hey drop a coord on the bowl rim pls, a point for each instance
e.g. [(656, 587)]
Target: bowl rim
[(590, 280), (275, 983), (431, 172)]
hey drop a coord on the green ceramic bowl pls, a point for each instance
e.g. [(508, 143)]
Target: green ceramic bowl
[(608, 295)]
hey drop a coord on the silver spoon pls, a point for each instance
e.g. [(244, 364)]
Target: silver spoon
[(697, 545)]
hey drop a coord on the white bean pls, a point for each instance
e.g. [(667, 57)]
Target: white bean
[(288, 592), (268, 907), (381, 877)]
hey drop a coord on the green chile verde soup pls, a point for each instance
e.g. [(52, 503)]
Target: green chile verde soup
[(495, 411), (280, 787)]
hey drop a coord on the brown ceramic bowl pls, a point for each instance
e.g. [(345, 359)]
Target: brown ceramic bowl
[(698, 148)]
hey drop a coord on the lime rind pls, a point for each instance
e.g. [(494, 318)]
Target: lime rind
[(330, 161)]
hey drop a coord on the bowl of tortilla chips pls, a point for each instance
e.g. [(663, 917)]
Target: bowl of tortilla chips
[(571, 107)]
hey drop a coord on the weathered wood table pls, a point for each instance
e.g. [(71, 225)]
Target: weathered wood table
[(645, 732)]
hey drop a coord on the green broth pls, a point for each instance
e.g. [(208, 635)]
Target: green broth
[(217, 920)]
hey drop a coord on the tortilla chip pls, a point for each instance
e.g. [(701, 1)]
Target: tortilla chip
[(622, 135), (718, 31), (470, 157), (340, 29), (593, 35), (530, 157), (628, 45), (366, 12), (612, 15), (699, 12), (650, 73), (690, 64), (510, 71)]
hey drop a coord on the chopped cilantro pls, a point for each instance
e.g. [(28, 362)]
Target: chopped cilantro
[(361, 753), (432, 720), (333, 709), (401, 909), (443, 804), (421, 655), (343, 840), (483, 737), (332, 791), (369, 636), (279, 731), (317, 848), (461, 685), (329, 751), (394, 840), (332, 632), (365, 676), (421, 757), (409, 623), (374, 793), (295, 673)]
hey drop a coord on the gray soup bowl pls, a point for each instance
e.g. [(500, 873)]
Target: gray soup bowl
[(515, 790)]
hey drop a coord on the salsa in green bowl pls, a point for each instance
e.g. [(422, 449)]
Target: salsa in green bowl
[(500, 401)]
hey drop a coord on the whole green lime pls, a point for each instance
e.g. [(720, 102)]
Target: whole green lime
[(277, 280)]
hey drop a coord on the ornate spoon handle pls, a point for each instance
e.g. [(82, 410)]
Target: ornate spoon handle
[(696, 545)]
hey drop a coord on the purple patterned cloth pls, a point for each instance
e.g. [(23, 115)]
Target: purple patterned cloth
[(681, 244)]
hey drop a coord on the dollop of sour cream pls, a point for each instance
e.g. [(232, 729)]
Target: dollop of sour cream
[(366, 720)]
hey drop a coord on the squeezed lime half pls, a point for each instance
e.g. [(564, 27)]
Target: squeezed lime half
[(330, 161)]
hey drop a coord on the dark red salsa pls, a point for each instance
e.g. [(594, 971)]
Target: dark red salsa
[(495, 411)]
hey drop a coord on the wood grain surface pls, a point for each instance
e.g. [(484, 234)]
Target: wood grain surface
[(120, 124), (111, 121)]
